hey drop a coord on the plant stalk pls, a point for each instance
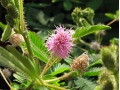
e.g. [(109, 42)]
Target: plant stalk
[(26, 38), (46, 66), (55, 87), (85, 43), (114, 20), (66, 75), (22, 22)]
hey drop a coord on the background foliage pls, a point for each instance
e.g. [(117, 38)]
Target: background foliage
[(41, 17)]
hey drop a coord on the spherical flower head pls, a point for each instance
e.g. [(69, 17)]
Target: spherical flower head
[(16, 39), (6, 72), (95, 45), (60, 42), (80, 63)]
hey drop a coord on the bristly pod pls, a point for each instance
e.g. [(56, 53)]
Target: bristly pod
[(10, 20), (16, 3), (108, 58), (7, 32), (12, 11), (5, 3)]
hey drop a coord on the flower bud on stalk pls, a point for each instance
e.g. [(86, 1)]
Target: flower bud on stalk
[(95, 45), (16, 39)]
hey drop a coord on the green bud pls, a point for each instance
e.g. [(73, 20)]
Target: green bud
[(76, 15), (84, 22), (7, 32), (12, 11), (108, 58), (88, 13), (10, 20)]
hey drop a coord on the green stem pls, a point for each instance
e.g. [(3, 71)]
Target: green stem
[(55, 87), (22, 23), (66, 75), (46, 66), (116, 75), (85, 43), (26, 38), (114, 20)]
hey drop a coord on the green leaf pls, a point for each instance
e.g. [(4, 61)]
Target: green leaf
[(19, 77), (39, 49), (93, 71), (95, 63), (83, 31), (84, 84), (2, 26), (27, 63), (9, 60), (110, 15), (113, 16), (7, 32), (59, 68)]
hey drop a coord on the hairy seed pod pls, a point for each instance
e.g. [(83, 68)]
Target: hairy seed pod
[(108, 58), (108, 86), (80, 63), (10, 20), (12, 11), (5, 3)]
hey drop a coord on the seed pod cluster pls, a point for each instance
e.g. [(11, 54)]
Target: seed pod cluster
[(80, 63)]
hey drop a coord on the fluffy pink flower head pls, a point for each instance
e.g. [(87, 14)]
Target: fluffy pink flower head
[(60, 42)]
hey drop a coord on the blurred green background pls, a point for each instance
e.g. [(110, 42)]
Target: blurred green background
[(44, 15)]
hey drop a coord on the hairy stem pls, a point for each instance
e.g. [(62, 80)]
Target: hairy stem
[(46, 66), (26, 38), (22, 22)]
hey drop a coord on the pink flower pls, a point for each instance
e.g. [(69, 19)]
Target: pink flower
[(60, 42)]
